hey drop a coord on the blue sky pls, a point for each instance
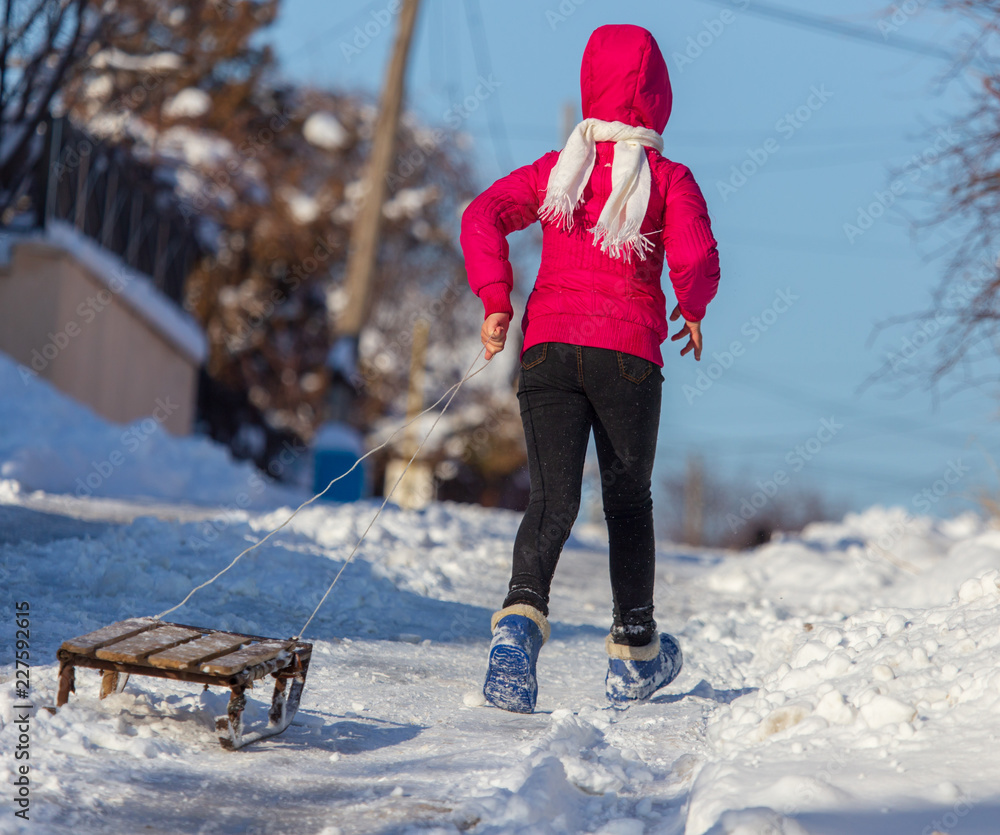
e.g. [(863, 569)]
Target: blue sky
[(829, 122)]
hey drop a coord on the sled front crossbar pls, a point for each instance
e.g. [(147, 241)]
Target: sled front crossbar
[(149, 647)]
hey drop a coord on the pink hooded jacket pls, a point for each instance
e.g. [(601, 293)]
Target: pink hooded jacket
[(583, 296)]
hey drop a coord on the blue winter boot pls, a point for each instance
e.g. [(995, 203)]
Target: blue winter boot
[(518, 634), (635, 673)]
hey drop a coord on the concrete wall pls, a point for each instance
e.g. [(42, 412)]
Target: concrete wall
[(63, 322)]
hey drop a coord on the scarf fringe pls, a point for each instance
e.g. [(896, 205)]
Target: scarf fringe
[(558, 210), (627, 242)]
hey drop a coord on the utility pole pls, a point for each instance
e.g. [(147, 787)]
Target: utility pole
[(694, 501), (569, 120), (363, 249), (337, 444), (415, 480)]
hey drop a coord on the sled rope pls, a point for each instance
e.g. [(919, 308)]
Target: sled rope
[(449, 394), (470, 373)]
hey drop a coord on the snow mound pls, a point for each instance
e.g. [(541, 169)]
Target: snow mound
[(850, 702), (51, 443)]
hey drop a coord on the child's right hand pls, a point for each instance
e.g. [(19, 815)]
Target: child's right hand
[(494, 333), (691, 330)]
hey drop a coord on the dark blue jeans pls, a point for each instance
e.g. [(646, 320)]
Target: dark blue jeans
[(567, 391)]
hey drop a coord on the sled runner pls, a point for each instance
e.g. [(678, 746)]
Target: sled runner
[(149, 647)]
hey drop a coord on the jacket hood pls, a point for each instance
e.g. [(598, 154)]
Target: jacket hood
[(624, 78)]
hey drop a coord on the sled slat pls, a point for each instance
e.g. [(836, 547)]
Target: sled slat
[(134, 650), (192, 653), (246, 657), (87, 644), (148, 647)]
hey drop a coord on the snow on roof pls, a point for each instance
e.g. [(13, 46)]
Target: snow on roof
[(135, 289), (194, 147), (113, 58), (325, 131), (189, 103)]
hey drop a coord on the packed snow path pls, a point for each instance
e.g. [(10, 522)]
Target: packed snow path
[(824, 691), (843, 681)]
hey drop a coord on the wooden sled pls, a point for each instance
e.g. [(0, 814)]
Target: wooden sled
[(149, 647)]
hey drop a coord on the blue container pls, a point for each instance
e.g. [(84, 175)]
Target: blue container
[(336, 448)]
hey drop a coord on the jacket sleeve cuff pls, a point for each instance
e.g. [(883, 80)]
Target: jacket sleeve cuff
[(691, 316), (496, 299)]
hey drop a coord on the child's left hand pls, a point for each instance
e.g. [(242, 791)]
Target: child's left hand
[(691, 330)]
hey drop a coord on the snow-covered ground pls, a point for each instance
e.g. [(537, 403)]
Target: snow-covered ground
[(841, 681)]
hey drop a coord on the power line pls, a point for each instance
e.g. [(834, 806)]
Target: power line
[(792, 242), (322, 40), (775, 389), (831, 25), (494, 117)]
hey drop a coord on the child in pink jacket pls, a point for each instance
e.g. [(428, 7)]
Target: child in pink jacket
[(612, 208)]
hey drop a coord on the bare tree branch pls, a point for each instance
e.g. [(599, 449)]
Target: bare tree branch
[(961, 325)]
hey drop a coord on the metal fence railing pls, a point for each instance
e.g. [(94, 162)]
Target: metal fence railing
[(118, 201)]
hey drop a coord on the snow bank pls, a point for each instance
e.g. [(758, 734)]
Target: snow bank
[(883, 555), (50, 442), (870, 682)]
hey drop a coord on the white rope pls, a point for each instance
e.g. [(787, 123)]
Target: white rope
[(388, 495), (469, 374)]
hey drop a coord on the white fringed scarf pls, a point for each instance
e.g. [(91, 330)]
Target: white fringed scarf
[(618, 228)]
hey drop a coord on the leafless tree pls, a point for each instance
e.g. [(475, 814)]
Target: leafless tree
[(41, 41), (954, 343), (703, 508)]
